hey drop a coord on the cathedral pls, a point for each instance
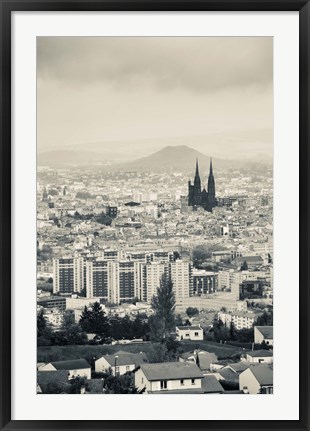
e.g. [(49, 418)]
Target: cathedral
[(202, 198)]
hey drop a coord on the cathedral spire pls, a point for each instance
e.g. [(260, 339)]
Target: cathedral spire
[(197, 182), (197, 168), (211, 169)]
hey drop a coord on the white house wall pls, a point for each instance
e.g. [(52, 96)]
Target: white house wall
[(247, 380)]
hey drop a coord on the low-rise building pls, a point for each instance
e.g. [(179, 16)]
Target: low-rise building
[(200, 357), (257, 379), (171, 377), (189, 333), (240, 320), (75, 368), (259, 356), (120, 363), (263, 334)]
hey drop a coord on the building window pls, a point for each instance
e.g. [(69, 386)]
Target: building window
[(117, 369), (163, 384), (182, 382), (142, 380), (196, 334), (127, 367), (193, 382)]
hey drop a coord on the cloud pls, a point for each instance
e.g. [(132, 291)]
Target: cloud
[(195, 64)]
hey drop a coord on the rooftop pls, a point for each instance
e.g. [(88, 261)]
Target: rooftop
[(189, 328), (125, 358), (171, 371), (210, 385), (72, 364), (260, 353), (266, 331), (263, 373)]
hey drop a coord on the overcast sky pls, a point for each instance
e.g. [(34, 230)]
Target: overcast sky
[(198, 91)]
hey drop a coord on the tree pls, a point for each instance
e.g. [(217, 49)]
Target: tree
[(94, 321), (163, 304), (71, 331), (41, 324), (245, 335), (244, 266), (266, 319), (120, 384), (192, 311), (104, 219), (232, 331), (76, 384), (219, 331), (178, 320), (44, 332), (85, 320), (158, 352), (174, 348)]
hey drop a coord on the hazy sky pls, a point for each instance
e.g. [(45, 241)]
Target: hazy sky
[(198, 91)]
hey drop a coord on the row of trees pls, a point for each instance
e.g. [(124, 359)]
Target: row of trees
[(93, 321), (157, 328), (108, 384)]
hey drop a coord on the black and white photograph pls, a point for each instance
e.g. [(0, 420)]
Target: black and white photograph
[(154, 215)]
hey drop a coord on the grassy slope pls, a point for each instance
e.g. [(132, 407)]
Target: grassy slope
[(58, 353)]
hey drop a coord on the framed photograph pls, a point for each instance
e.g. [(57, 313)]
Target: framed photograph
[(154, 215)]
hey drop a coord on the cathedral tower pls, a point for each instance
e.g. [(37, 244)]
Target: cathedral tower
[(204, 198), (211, 187)]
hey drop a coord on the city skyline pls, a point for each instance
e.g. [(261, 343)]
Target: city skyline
[(154, 246)]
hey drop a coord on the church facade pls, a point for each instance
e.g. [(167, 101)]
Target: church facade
[(202, 198)]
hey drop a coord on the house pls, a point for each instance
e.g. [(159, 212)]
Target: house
[(48, 380), (170, 377), (257, 379), (263, 334), (230, 373), (227, 375), (189, 333), (211, 385), (123, 361), (200, 357), (259, 356), (75, 368)]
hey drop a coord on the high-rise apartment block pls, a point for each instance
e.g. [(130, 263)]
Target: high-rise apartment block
[(68, 275), (119, 277)]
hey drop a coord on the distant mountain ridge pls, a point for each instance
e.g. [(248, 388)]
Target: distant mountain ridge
[(178, 157)]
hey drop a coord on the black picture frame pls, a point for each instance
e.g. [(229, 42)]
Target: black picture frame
[(9, 6)]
